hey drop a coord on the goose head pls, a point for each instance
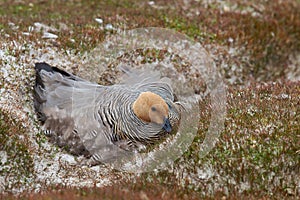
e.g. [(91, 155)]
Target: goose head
[(150, 107)]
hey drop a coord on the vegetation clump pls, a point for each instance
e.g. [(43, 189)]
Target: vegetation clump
[(16, 164)]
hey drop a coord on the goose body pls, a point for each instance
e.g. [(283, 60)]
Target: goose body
[(95, 120)]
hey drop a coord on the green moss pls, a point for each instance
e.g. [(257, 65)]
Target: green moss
[(189, 28), (17, 162)]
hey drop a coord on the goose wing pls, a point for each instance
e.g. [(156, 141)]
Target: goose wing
[(69, 106)]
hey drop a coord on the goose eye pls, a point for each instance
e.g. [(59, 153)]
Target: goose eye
[(153, 109)]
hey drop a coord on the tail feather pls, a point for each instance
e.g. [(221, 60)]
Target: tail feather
[(39, 98), (48, 68), (56, 88), (40, 90)]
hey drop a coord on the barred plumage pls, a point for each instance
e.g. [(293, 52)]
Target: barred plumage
[(97, 120)]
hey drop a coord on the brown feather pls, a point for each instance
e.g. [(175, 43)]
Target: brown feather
[(146, 100)]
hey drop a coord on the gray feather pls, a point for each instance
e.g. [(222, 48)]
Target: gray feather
[(87, 116)]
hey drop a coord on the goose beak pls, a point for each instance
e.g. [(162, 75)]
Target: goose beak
[(167, 125)]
